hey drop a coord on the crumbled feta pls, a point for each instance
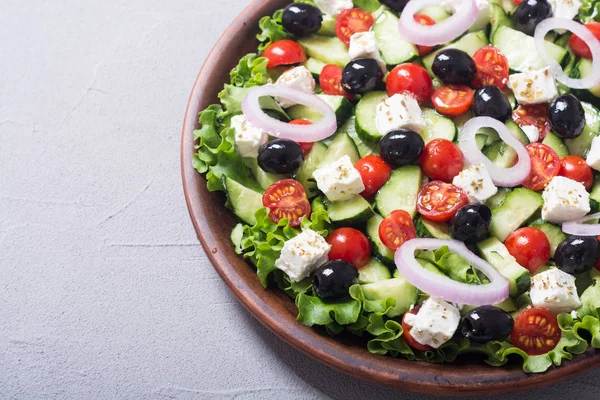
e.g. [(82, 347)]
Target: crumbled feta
[(565, 200), (334, 7), (564, 9), (303, 254), (435, 323), (532, 132), (364, 45), (399, 111), (593, 156), (248, 138), (555, 291), (339, 180), (483, 16), (533, 87), (477, 183), (298, 78)]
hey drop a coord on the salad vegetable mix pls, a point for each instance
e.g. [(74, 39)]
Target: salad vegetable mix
[(424, 174)]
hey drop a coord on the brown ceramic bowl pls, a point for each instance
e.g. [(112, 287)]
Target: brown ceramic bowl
[(213, 224)]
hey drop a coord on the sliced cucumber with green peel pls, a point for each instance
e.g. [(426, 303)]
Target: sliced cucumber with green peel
[(554, 233), (595, 193), (499, 18), (364, 147), (394, 48), (327, 26), (244, 202), (436, 13), (379, 249), (353, 211), (496, 200), (556, 143), (404, 294), (469, 43), (339, 104), (495, 253), (329, 50), (516, 209), (517, 132), (315, 67), (366, 113), (501, 153), (400, 191), (374, 271), (581, 145), (263, 178), (342, 145), (304, 175), (437, 127), (507, 305), (584, 67), (430, 229)]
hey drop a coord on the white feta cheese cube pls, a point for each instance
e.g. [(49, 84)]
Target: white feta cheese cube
[(339, 180), (477, 183), (565, 200), (533, 87), (483, 16), (248, 138), (334, 7), (593, 156), (532, 132), (564, 9), (435, 323), (555, 291), (298, 78), (399, 111), (364, 45), (303, 254)]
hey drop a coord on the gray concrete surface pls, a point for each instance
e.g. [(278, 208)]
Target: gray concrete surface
[(104, 291)]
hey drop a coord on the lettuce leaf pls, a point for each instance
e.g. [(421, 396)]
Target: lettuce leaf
[(314, 311), (251, 71), (271, 30), (453, 265), (589, 11), (367, 5)]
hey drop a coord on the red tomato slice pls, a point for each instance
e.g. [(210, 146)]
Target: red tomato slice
[(350, 245), (305, 146), (352, 21), (575, 167), (530, 247), (534, 114), (452, 100), (545, 165), (397, 228), (284, 52), (410, 78), (439, 201), (408, 337), (536, 331), (578, 46), (427, 21), (441, 160), (517, 2), (287, 199), (492, 68), (330, 79), (374, 173)]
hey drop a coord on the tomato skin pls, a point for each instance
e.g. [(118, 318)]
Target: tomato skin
[(350, 245), (287, 199), (351, 21), (374, 173), (530, 247), (535, 325), (533, 114), (408, 337), (396, 229), (517, 2), (330, 79), (306, 147), (441, 160), (284, 52), (439, 201), (452, 100), (575, 168), (427, 21), (492, 68), (578, 46), (410, 78), (545, 165)]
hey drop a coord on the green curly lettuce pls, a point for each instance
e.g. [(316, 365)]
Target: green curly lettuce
[(271, 30), (367, 5), (250, 71), (451, 264), (589, 11)]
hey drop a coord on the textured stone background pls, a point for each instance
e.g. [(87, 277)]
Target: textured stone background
[(105, 292)]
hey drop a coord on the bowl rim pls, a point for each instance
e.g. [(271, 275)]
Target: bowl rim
[(207, 213)]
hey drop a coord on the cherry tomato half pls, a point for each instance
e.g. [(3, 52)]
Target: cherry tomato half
[(374, 173), (578, 46), (284, 52), (575, 167), (330, 79), (305, 146), (530, 247), (492, 68), (533, 114), (408, 337), (452, 100), (439, 201), (545, 165), (352, 21), (397, 228), (427, 21), (536, 331), (287, 199), (441, 160), (517, 2), (411, 78), (350, 245)]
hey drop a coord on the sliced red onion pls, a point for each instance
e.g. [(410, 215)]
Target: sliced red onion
[(550, 24), (439, 286), (506, 177), (299, 133), (580, 228), (441, 32)]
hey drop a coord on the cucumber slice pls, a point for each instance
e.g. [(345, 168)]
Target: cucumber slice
[(595, 193), (498, 256), (366, 112), (499, 18), (400, 191), (581, 145), (263, 178), (353, 211), (554, 234), (507, 305), (342, 145), (327, 26), (379, 249), (315, 67), (398, 289), (311, 163), (462, 119), (556, 143), (244, 202), (520, 50), (340, 105), (437, 13), (374, 271), (509, 6), (430, 229), (437, 127), (364, 148), (480, 141), (496, 200), (585, 68), (329, 50), (469, 43), (394, 48), (517, 132), (502, 154), (518, 207)]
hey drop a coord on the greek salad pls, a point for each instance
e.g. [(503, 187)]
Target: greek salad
[(424, 174)]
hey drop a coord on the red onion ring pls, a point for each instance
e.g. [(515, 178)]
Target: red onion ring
[(578, 227), (549, 24), (506, 177), (438, 286), (299, 133), (442, 32)]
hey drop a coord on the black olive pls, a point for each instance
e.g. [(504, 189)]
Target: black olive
[(472, 223), (396, 5), (577, 254), (567, 117), (302, 19), (401, 147), (280, 156), (489, 101), (454, 66), (530, 13), (333, 279), (486, 323), (361, 76)]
